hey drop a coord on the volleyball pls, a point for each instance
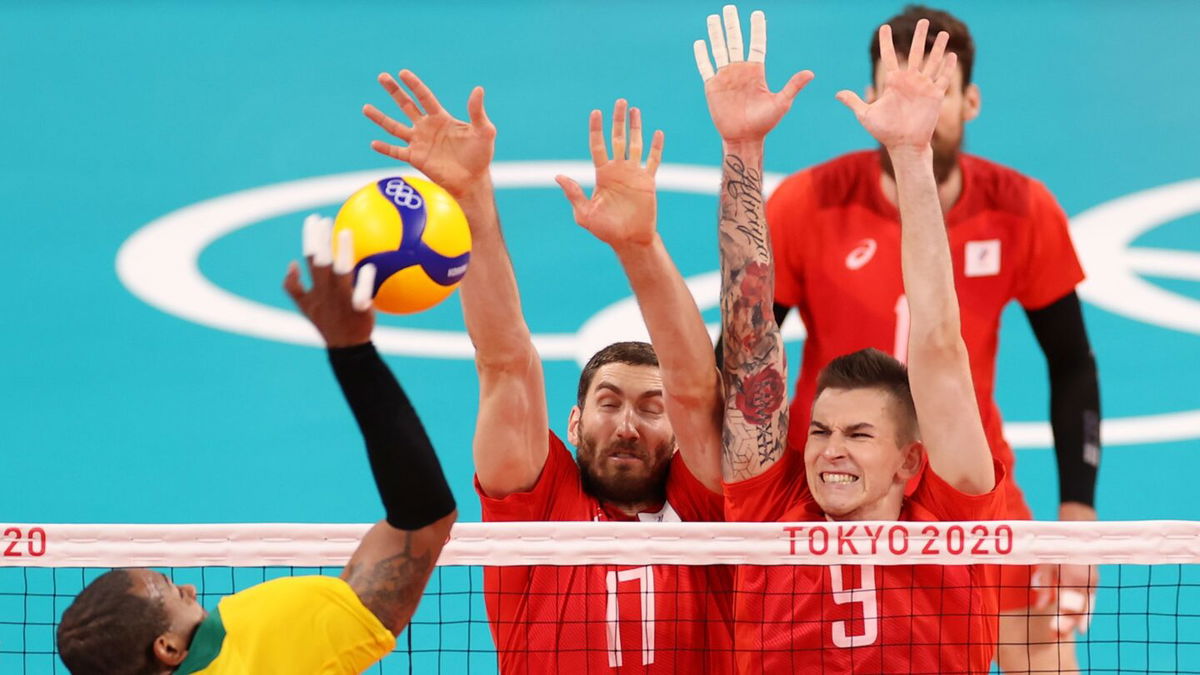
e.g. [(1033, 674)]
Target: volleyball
[(415, 235)]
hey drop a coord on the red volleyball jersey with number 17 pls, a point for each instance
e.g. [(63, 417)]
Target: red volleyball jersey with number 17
[(864, 618), (608, 618)]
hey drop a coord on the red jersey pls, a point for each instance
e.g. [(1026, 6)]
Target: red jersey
[(608, 618), (837, 258), (863, 618)]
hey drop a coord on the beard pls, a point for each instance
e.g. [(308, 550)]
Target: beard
[(945, 158), (624, 485)]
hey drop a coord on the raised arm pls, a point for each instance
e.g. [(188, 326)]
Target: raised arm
[(622, 212), (389, 569), (510, 443), (902, 119), (744, 110)]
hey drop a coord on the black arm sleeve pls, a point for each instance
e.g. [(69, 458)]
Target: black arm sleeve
[(407, 472), (781, 312), (1074, 396)]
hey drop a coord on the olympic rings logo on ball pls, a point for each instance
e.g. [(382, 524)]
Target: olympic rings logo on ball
[(403, 194), (159, 265)]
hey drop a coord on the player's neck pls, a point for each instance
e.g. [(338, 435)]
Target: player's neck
[(949, 190), (634, 509)]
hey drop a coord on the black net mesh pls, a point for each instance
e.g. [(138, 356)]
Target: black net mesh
[(677, 619)]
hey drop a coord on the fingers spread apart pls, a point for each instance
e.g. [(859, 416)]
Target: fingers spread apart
[(400, 96), (596, 138), (703, 64), (318, 242), (916, 52), (733, 33), (656, 150), (401, 131), (758, 37), (725, 40), (423, 93), (343, 257), (364, 288), (716, 38), (618, 128)]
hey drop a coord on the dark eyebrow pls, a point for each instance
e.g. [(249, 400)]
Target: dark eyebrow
[(617, 390), (818, 425), (609, 386), (860, 426)]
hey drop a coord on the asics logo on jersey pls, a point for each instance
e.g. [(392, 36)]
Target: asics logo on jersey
[(403, 194), (861, 254)]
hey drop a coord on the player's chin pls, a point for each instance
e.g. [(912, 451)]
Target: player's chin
[(836, 505)]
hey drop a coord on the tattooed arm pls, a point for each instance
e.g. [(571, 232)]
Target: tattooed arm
[(753, 368), (389, 570)]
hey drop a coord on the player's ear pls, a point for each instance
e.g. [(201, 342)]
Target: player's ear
[(972, 102), (914, 456), (573, 425), (170, 650)]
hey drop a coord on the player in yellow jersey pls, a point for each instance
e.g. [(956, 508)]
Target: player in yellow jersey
[(137, 622)]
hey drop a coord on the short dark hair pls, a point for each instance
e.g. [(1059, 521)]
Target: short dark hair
[(110, 630), (872, 369), (629, 353), (904, 25)]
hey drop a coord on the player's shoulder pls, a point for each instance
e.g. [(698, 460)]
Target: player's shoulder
[(286, 591), (836, 182), (1001, 188)]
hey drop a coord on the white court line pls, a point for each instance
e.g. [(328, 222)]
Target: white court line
[(159, 264)]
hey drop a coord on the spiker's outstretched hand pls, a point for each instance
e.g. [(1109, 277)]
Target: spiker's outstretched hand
[(742, 107), (338, 304), (906, 111), (622, 208), (452, 153)]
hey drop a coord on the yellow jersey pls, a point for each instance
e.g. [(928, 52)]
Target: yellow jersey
[(291, 626)]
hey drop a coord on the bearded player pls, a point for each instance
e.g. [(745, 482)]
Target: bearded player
[(872, 424), (137, 622), (835, 229), (634, 409)]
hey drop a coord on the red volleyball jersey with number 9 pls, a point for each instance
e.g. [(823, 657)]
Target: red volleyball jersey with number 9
[(863, 618), (608, 618), (836, 241)]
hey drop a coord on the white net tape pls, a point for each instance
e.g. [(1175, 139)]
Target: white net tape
[(585, 543)]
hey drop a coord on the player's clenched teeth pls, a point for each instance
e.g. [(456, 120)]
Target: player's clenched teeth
[(833, 477)]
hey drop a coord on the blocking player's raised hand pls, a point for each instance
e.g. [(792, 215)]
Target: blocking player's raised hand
[(906, 111), (743, 108), (338, 305), (452, 153), (622, 208)]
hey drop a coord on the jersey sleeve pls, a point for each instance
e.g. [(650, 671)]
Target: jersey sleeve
[(688, 496), (779, 493), (311, 624), (945, 502), (1051, 268), (789, 208), (557, 484)]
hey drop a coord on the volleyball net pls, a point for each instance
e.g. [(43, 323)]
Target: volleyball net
[(671, 597)]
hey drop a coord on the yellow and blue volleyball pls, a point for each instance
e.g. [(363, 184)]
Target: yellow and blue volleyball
[(415, 235)]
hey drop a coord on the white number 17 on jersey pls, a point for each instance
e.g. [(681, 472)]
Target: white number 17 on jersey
[(644, 576)]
